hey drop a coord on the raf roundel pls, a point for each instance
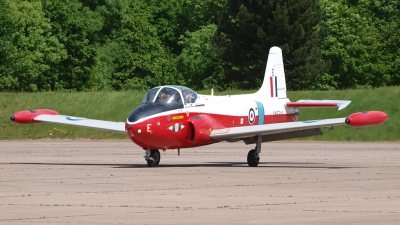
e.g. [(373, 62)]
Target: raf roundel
[(252, 116)]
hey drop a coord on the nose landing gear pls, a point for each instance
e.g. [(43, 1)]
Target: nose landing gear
[(152, 157)]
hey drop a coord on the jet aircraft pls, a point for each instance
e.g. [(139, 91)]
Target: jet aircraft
[(176, 117)]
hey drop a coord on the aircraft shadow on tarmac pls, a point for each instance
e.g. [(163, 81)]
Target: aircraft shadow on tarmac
[(299, 165)]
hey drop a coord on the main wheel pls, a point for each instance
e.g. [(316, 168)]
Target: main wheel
[(155, 154), (252, 159)]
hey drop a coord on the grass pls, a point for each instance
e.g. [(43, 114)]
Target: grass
[(113, 106), (116, 106), (385, 99)]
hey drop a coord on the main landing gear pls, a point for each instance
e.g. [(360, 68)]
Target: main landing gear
[(253, 157), (152, 157)]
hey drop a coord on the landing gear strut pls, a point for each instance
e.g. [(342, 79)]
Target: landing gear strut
[(253, 157), (152, 157)]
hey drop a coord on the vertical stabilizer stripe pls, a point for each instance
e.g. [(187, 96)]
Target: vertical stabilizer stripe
[(271, 85), (276, 86), (260, 107)]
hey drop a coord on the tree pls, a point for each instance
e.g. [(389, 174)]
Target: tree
[(199, 63), (386, 19), (144, 61), (76, 27), (28, 49), (353, 45), (248, 29), (174, 18)]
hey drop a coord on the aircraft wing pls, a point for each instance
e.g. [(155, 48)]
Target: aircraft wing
[(281, 131), (48, 115), (83, 122), (236, 133)]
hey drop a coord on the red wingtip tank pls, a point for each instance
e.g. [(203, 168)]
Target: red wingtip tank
[(28, 116), (363, 119)]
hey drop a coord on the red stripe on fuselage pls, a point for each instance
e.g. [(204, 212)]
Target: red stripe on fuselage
[(156, 133)]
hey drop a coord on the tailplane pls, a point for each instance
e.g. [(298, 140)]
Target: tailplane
[(274, 84)]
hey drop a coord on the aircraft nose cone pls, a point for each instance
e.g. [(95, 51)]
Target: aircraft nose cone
[(12, 118)]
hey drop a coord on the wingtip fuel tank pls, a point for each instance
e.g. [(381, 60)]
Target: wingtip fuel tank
[(28, 116), (369, 118)]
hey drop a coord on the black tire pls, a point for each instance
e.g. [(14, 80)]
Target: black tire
[(155, 154), (252, 159)]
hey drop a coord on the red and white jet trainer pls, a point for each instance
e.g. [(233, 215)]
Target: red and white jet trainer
[(175, 117)]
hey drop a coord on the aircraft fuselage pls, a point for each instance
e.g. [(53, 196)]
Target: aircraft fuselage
[(191, 125)]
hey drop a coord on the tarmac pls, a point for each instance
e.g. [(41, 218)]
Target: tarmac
[(108, 182)]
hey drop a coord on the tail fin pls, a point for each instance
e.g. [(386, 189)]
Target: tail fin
[(274, 84)]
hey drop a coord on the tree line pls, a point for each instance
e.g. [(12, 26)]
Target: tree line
[(82, 45)]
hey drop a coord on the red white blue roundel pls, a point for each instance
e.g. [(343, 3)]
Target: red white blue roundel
[(252, 116)]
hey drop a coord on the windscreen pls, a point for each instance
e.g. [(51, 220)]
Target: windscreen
[(150, 95)]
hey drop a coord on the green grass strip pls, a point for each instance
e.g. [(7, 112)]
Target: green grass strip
[(116, 106)]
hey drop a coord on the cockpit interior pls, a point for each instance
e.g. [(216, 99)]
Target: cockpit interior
[(174, 94)]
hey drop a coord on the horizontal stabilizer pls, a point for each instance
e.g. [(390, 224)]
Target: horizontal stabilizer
[(318, 104)]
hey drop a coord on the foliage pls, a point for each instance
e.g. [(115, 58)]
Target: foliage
[(144, 62), (200, 65), (28, 49), (76, 27), (248, 29), (360, 42), (386, 16), (82, 45)]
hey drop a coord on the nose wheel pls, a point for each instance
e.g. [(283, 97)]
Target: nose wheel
[(152, 157)]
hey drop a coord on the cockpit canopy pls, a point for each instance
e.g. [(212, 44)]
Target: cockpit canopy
[(162, 99), (174, 95)]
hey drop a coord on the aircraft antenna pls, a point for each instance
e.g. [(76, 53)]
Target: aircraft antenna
[(289, 63)]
